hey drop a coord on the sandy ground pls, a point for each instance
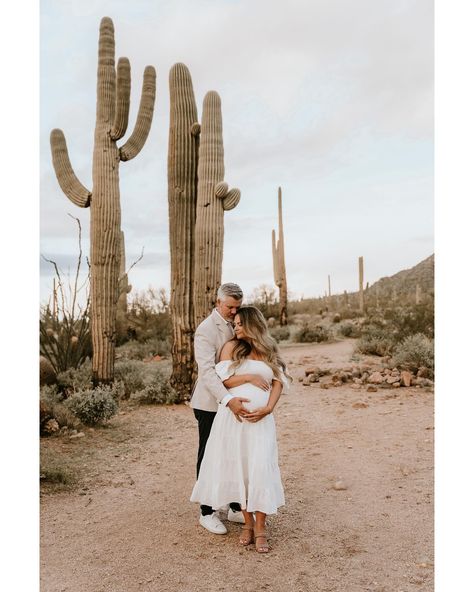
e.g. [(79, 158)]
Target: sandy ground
[(130, 527)]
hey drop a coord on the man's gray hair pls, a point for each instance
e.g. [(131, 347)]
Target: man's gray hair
[(232, 290)]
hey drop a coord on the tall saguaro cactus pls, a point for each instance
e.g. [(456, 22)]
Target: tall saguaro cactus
[(361, 284), (183, 146), (112, 110), (213, 198), (279, 268)]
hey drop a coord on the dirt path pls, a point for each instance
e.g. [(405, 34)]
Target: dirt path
[(131, 527)]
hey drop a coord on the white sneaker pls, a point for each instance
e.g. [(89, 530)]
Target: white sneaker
[(235, 516), (212, 523)]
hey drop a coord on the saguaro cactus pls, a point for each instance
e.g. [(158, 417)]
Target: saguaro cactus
[(418, 294), (279, 268), (361, 284), (183, 149), (213, 198), (113, 103)]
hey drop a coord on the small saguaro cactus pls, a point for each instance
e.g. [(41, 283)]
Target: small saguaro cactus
[(361, 284), (213, 198), (279, 268), (112, 110), (183, 146)]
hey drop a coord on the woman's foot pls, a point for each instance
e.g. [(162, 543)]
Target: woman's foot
[(261, 544), (246, 535)]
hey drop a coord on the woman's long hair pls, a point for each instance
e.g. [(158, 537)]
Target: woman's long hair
[(257, 339)]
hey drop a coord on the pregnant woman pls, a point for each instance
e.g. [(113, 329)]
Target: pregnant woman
[(240, 463)]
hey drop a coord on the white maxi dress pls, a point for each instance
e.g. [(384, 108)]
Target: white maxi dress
[(240, 462)]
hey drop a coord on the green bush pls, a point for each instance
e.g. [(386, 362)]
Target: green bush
[(414, 352), (411, 320), (160, 392), (141, 350), (349, 330), (74, 379), (52, 406), (311, 334), (376, 341), (93, 406), (280, 334)]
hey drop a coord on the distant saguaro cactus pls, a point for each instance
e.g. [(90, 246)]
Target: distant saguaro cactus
[(279, 268), (183, 146), (112, 110), (213, 198), (418, 294), (361, 284)]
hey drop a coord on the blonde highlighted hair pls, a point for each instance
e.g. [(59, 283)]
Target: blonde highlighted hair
[(257, 340)]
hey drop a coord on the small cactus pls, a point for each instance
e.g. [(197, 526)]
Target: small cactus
[(113, 102), (361, 284)]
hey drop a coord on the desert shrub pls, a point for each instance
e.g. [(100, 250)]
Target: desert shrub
[(57, 475), (159, 392), (336, 318), (148, 316), (312, 333), (349, 330), (95, 405), (414, 352), (280, 334), (411, 320), (52, 407), (376, 341), (140, 350), (74, 379), (132, 374)]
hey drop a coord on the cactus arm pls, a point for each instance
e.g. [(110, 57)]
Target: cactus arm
[(67, 179), (122, 102), (145, 115), (231, 199), (276, 270)]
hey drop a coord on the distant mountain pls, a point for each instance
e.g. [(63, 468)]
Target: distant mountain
[(405, 282)]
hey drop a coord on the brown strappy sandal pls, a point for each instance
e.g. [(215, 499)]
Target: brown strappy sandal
[(247, 539), (264, 548)]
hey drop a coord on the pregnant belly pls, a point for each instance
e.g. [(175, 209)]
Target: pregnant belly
[(257, 397)]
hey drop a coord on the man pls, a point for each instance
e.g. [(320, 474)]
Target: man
[(209, 391)]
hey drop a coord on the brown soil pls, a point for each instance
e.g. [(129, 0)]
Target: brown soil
[(128, 525)]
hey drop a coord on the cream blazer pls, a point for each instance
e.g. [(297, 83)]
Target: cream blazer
[(209, 339)]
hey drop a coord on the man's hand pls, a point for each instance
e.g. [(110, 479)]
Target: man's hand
[(258, 414), (235, 405)]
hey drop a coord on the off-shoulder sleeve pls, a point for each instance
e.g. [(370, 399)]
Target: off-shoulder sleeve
[(284, 381), (223, 369)]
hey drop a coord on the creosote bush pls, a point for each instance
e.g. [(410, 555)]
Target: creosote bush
[(349, 330), (414, 352), (136, 350), (312, 333), (280, 334), (93, 406), (375, 341)]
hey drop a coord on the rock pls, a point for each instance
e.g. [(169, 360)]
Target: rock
[(78, 435), (356, 373), (357, 380), (339, 486), (359, 405), (375, 378), (347, 369), (395, 369), (338, 383), (51, 426), (47, 372), (394, 373), (324, 385), (356, 387), (372, 389), (405, 378), (387, 371), (306, 381), (313, 378), (311, 370), (271, 322), (300, 379), (335, 377), (396, 385), (365, 377), (365, 368), (392, 379)]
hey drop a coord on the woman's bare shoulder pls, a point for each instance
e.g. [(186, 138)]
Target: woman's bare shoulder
[(228, 349)]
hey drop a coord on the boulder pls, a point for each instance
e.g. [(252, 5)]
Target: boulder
[(47, 372), (311, 370), (306, 381), (405, 378), (375, 378), (313, 378), (372, 389), (392, 379)]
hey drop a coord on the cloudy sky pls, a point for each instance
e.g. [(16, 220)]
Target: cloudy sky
[(330, 99)]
